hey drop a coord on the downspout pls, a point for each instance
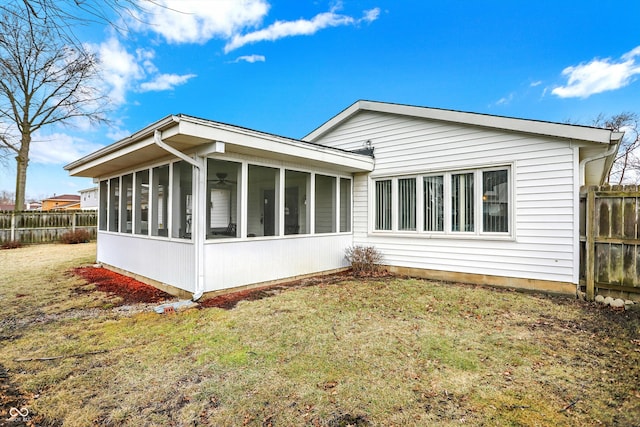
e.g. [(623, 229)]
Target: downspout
[(582, 165), (196, 219), (610, 151)]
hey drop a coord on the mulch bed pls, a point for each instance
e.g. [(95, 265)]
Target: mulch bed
[(131, 291)]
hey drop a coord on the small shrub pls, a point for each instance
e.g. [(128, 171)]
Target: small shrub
[(364, 260), (77, 236), (11, 244)]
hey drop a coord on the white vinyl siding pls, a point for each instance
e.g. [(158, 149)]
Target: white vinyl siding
[(539, 242)]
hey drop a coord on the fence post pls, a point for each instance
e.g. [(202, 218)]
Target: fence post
[(13, 226), (590, 246), (73, 221)]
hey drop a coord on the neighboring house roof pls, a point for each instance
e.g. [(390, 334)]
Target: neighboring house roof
[(189, 134), (63, 198), (6, 206), (590, 140), (72, 205)]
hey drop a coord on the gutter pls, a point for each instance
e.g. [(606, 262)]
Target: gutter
[(616, 137), (197, 218)]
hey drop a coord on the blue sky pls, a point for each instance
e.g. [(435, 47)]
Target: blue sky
[(285, 67)]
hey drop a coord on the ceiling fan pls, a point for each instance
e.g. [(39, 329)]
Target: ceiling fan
[(222, 179)]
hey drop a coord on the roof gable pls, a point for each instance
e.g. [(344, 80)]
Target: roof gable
[(558, 130)]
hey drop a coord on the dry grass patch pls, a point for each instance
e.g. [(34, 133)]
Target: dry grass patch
[(374, 352)]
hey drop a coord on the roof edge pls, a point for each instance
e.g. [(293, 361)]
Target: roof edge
[(143, 133), (539, 127)]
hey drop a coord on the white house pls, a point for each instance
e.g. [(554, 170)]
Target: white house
[(89, 199), (196, 206)]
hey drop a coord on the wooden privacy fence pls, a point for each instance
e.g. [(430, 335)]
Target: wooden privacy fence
[(610, 240), (44, 227)]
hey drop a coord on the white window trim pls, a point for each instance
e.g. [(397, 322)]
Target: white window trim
[(447, 233)]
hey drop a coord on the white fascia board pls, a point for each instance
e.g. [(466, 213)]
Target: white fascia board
[(122, 144), (78, 167), (231, 135), (558, 130)]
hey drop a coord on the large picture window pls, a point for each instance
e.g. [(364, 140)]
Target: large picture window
[(470, 202)]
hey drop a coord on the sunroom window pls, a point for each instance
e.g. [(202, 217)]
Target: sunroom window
[(141, 203), (102, 215), (296, 212), (126, 204), (160, 201), (325, 204), (345, 205), (262, 203), (222, 198), (182, 200), (114, 203)]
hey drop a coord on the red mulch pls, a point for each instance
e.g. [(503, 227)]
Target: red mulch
[(130, 290)]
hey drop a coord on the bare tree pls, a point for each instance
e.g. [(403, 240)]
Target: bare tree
[(61, 16), (43, 81), (626, 166)]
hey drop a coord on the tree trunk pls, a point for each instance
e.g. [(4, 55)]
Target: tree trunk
[(22, 161)]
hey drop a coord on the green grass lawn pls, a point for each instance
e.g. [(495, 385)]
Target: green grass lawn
[(387, 351)]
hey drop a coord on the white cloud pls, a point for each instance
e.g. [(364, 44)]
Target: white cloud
[(59, 148), (505, 100), (371, 15), (536, 83), (251, 58), (165, 82), (281, 29), (197, 21), (123, 71), (119, 68), (599, 75)]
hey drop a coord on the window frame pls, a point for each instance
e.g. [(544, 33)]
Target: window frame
[(341, 216), (447, 189)]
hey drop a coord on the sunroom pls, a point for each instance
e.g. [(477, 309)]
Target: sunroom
[(196, 206)]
